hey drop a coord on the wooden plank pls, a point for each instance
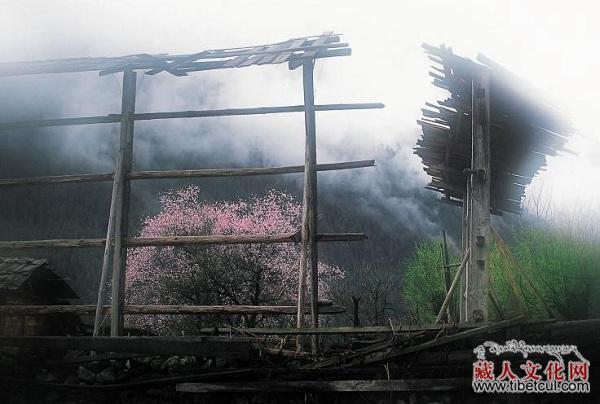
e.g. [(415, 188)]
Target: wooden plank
[(480, 233), (114, 118), (199, 346), (296, 61), (397, 385), (44, 123), (151, 309), (179, 240), (470, 333), (293, 46), (201, 173), (398, 329), (455, 282), (253, 111)]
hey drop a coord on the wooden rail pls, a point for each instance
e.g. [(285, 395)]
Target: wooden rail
[(400, 385), (179, 240), (148, 116), (117, 239), (138, 309), (199, 346), (200, 173)]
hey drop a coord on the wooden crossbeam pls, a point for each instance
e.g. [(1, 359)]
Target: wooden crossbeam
[(139, 309), (199, 346), (148, 116), (179, 240), (403, 385), (171, 174)]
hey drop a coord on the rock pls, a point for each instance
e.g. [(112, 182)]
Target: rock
[(85, 374), (107, 375), (156, 363), (170, 363), (187, 361)]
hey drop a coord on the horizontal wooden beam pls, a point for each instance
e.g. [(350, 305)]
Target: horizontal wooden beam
[(200, 173), (179, 240), (136, 309), (463, 335), (326, 386), (199, 346), (114, 118)]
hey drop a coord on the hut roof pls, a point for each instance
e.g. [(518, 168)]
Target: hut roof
[(523, 130), (294, 51), (20, 274)]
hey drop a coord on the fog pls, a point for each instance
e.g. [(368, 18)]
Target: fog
[(547, 43)]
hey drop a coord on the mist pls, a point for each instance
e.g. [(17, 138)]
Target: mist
[(544, 44)]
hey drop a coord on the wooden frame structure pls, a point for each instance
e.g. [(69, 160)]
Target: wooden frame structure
[(297, 52), (481, 147)]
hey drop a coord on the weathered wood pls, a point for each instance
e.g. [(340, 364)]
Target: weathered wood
[(474, 332), (148, 116), (455, 282), (308, 245), (165, 309), (199, 346), (122, 188), (404, 385), (446, 273), (200, 173), (479, 220), (179, 240), (398, 329)]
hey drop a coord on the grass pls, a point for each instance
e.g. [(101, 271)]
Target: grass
[(562, 263)]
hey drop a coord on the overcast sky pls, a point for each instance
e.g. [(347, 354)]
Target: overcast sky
[(552, 44)]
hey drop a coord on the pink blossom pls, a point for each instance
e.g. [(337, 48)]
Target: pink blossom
[(218, 274)]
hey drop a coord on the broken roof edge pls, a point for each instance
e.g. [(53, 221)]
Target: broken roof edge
[(295, 51)]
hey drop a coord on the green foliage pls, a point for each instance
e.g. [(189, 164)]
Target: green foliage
[(564, 268), (423, 288)]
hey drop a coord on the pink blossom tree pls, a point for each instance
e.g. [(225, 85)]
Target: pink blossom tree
[(257, 274)]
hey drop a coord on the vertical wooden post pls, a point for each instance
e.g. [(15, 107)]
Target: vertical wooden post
[(116, 201), (465, 247), (308, 246), (356, 301), (479, 217), (121, 187), (446, 273)]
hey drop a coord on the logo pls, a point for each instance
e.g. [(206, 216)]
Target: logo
[(517, 367)]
